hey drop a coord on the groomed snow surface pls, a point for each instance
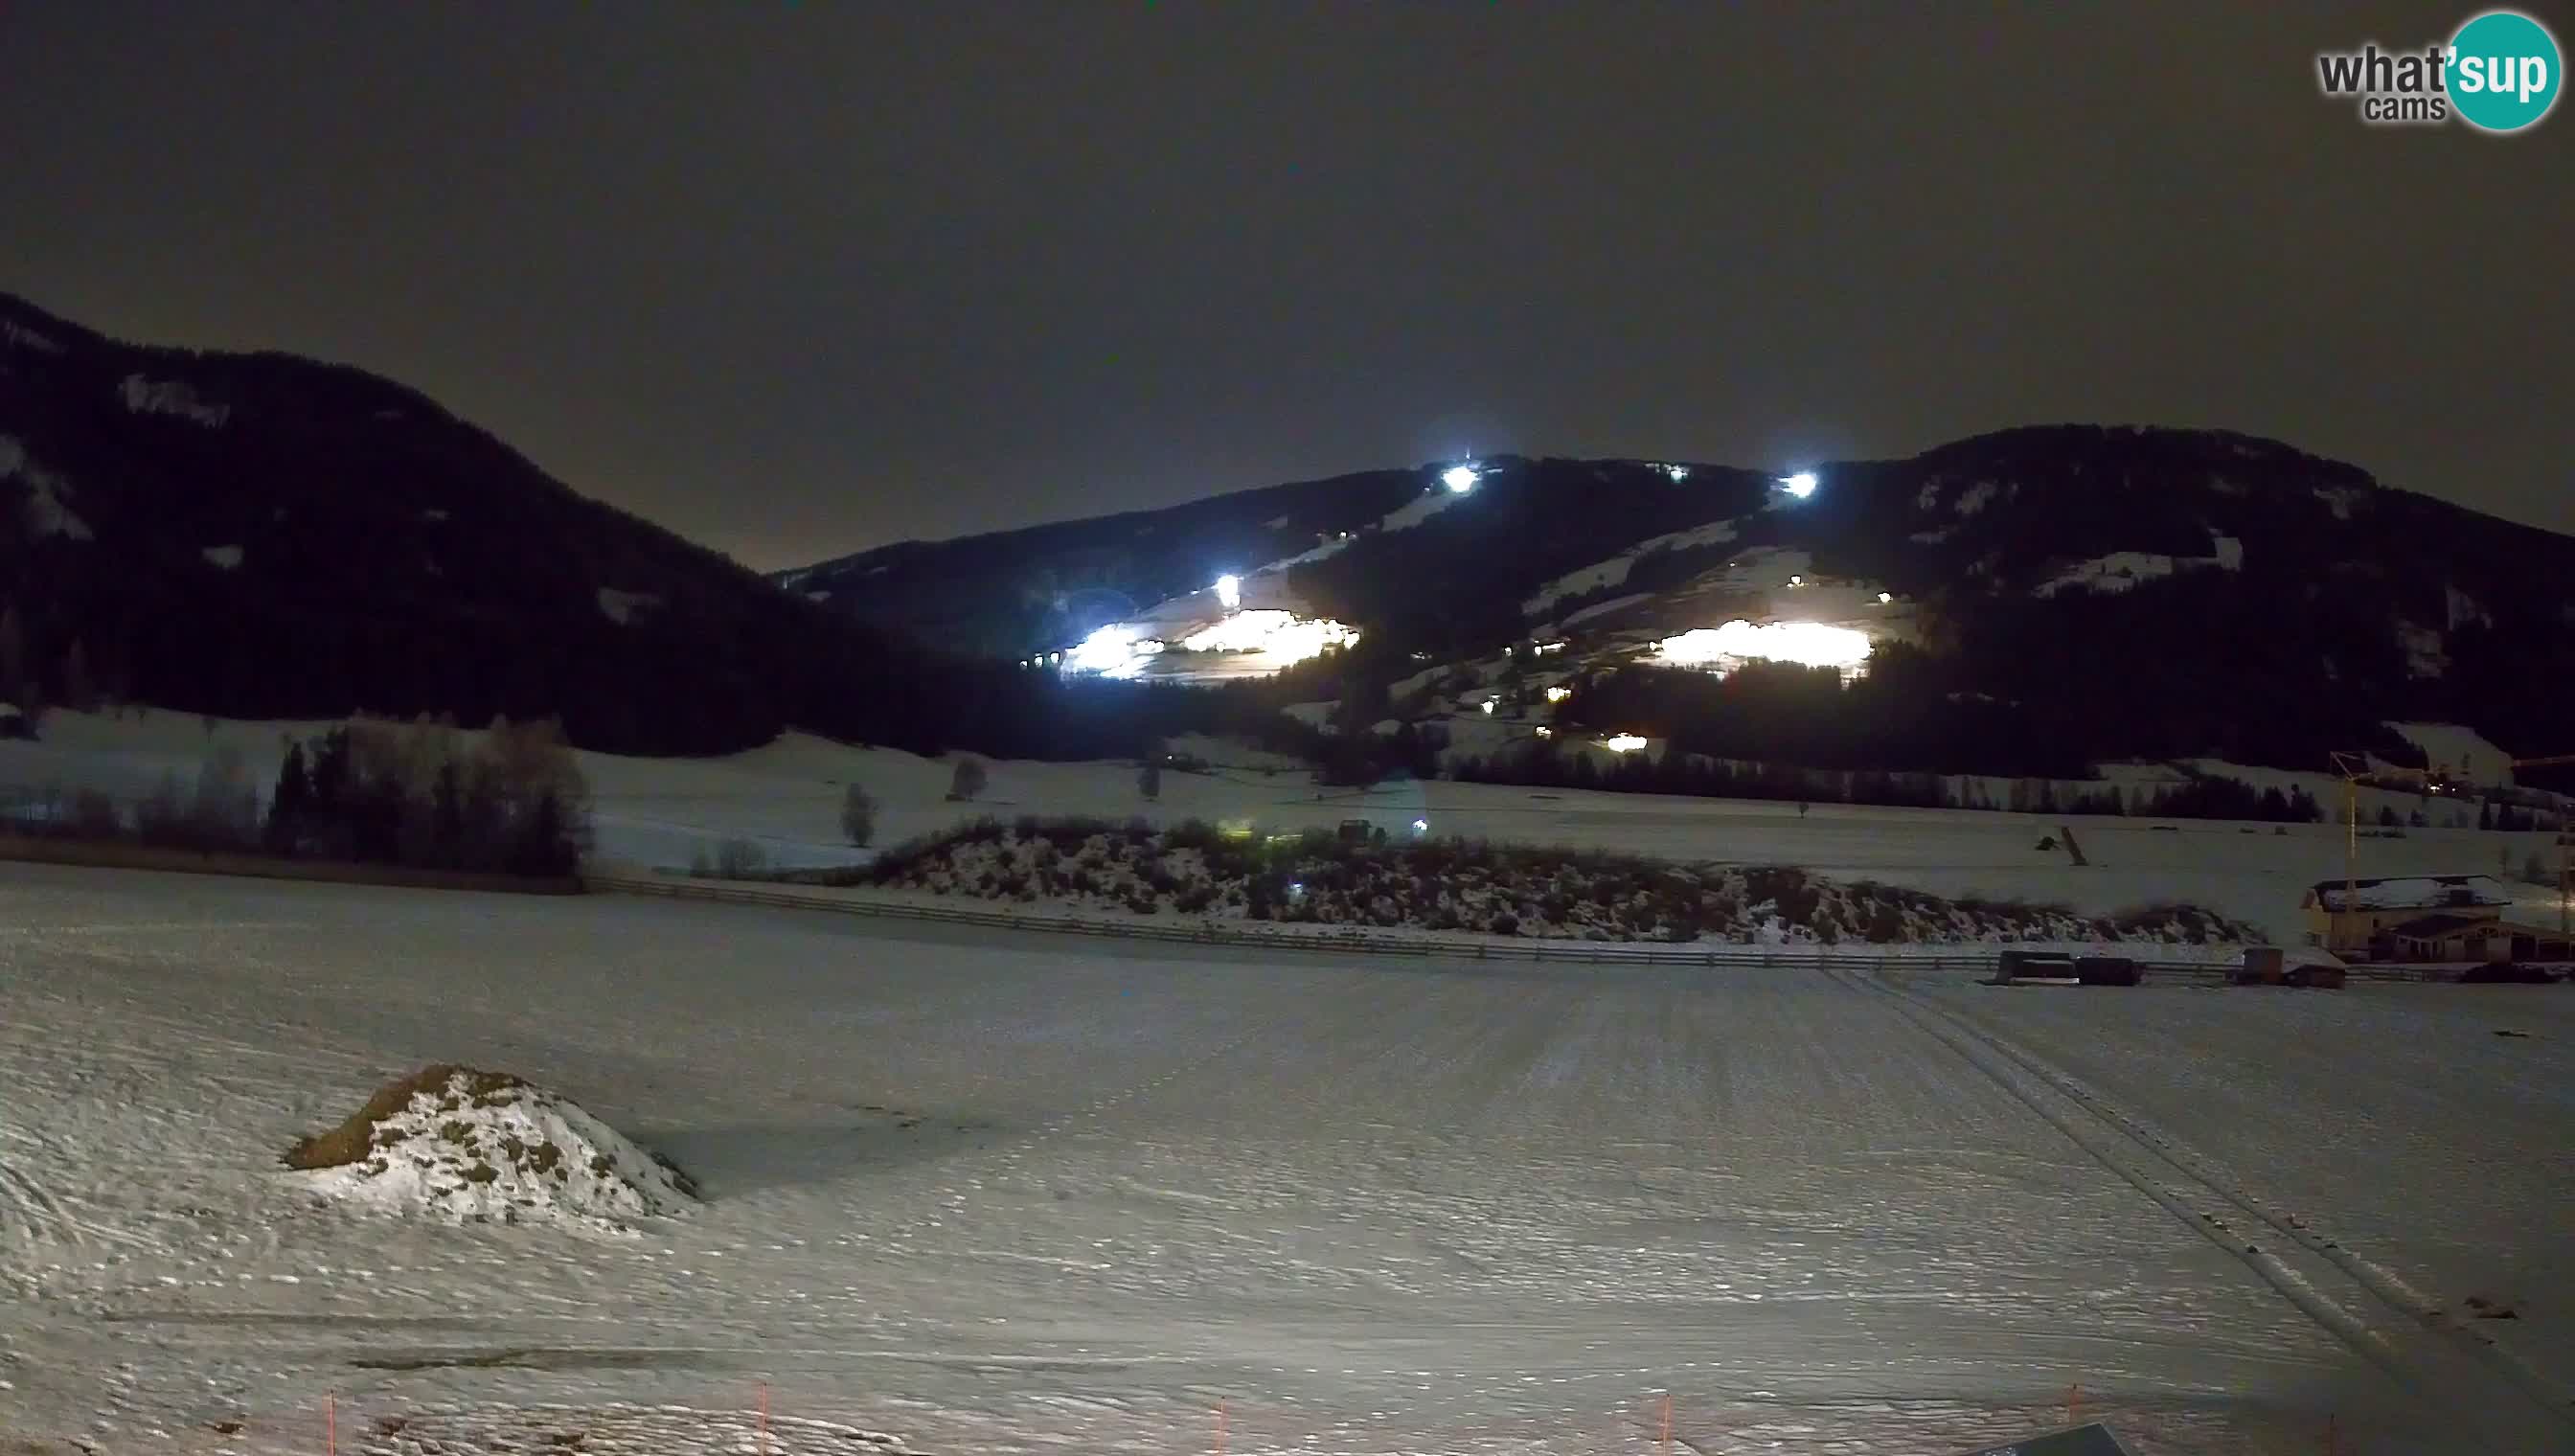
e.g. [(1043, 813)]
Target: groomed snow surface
[(1017, 1195)]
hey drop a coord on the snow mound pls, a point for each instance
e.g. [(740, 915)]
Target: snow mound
[(475, 1146)]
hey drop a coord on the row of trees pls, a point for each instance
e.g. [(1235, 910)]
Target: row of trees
[(1673, 772), (510, 800)]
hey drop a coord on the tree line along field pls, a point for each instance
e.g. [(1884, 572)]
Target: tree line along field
[(784, 800)]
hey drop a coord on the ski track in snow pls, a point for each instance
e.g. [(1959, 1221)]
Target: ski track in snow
[(1001, 1193)]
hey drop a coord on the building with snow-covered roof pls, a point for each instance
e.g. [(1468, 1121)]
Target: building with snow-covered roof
[(2357, 918), (14, 723)]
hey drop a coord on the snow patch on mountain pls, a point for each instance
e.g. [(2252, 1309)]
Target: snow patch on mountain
[(2117, 571), (1762, 568), (46, 512), (1933, 538), (168, 397), (1978, 497), (1603, 608), (2121, 570), (223, 558), (2425, 656), (1613, 572), (1422, 508), (26, 338), (1575, 583), (2465, 610), (2460, 751), (621, 607), (2341, 499)]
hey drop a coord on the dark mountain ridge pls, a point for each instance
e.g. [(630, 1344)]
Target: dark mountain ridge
[(2119, 590), (264, 535)]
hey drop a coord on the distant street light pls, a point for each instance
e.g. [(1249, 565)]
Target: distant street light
[(1459, 478), (1801, 484)]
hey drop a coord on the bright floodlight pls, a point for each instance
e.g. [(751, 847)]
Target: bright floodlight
[(1104, 648), (1677, 473), (1810, 642), (1885, 597), (1623, 744), (1421, 826), (1459, 477), (1801, 484), (1229, 591)]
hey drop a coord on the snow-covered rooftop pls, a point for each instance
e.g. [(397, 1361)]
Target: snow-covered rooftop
[(2416, 891)]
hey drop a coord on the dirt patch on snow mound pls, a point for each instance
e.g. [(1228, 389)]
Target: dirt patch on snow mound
[(476, 1146)]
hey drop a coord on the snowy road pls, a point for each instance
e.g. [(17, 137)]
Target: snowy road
[(1001, 1193)]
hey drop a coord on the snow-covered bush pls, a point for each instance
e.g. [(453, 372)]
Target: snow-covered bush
[(1317, 878)]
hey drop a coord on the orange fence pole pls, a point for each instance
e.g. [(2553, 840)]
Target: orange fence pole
[(1220, 1426), (331, 1423), (1667, 1424), (764, 1418), (2073, 1404)]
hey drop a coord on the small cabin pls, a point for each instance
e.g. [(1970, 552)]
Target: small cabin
[(2449, 937)]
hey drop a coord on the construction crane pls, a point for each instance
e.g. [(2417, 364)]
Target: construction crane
[(2356, 769)]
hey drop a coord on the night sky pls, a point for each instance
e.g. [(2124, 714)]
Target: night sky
[(800, 279)]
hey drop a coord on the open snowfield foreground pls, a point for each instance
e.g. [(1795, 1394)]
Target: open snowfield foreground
[(785, 796), (973, 1192)]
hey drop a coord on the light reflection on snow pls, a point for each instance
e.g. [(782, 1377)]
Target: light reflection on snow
[(1810, 642), (1274, 637)]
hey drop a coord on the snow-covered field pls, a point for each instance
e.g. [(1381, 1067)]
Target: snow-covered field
[(987, 1193), (786, 797)]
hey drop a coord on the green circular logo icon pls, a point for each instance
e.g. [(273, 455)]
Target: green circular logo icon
[(2504, 71)]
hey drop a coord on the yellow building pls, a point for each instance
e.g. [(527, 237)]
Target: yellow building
[(2364, 928)]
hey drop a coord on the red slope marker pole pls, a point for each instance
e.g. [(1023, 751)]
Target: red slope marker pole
[(1667, 1424), (1220, 1426), (331, 1423), (2073, 1404), (764, 1418)]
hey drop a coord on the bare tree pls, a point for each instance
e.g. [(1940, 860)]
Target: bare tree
[(857, 816), (969, 779), (1149, 779)]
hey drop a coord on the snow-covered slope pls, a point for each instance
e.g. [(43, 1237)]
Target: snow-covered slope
[(988, 1194)]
